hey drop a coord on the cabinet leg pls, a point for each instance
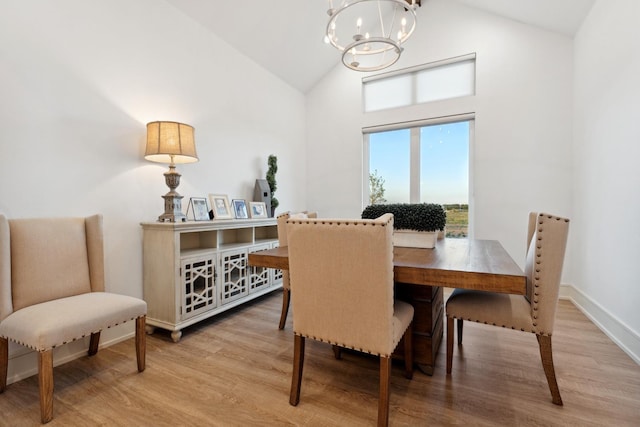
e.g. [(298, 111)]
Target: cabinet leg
[(149, 329), (176, 335)]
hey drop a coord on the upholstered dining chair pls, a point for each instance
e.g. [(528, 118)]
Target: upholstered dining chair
[(342, 276), (533, 313), (282, 241), (52, 293)]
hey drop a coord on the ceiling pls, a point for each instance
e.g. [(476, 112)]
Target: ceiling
[(290, 42)]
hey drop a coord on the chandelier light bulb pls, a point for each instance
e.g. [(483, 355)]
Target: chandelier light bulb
[(331, 10), (366, 47), (357, 36)]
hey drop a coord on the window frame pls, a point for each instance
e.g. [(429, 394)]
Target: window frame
[(414, 173)]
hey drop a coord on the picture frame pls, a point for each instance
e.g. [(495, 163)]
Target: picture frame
[(198, 207), (240, 208), (220, 206), (258, 209)]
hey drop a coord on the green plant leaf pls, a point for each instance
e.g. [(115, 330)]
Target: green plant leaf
[(410, 216)]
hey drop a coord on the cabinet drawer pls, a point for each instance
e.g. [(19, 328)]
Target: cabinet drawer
[(427, 304), (425, 346), (427, 313), (411, 291)]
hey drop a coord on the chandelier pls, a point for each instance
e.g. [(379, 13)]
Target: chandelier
[(370, 33)]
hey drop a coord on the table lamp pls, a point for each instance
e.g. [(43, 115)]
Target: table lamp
[(171, 142)]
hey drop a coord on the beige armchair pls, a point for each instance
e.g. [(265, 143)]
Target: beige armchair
[(52, 292), (342, 273), (282, 241), (534, 313)]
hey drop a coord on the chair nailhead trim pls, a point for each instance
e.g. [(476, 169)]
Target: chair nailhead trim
[(361, 350), (67, 342), (536, 281), (338, 222), (493, 324)]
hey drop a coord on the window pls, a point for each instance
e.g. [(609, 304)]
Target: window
[(425, 163), (450, 78), (424, 160)]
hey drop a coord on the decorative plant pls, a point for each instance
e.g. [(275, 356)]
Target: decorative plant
[(271, 180), (410, 216)]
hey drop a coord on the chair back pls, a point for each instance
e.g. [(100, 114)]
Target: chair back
[(343, 275), (282, 237), (42, 259), (547, 236), (282, 224)]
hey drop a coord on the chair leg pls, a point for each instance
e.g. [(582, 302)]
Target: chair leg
[(93, 344), (460, 324), (298, 362), (544, 342), (141, 343), (408, 352), (4, 362), (286, 293), (45, 382), (449, 343), (383, 399)]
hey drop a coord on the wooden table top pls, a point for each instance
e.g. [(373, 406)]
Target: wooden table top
[(456, 263)]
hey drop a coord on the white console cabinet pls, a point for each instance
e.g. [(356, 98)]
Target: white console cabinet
[(195, 270)]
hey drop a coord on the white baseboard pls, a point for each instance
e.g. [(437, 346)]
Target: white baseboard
[(620, 333), (23, 362)]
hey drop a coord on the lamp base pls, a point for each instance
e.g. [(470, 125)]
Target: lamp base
[(172, 200), (172, 208)]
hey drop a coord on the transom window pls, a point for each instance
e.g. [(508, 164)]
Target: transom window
[(450, 78)]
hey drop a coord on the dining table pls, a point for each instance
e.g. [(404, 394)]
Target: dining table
[(420, 275)]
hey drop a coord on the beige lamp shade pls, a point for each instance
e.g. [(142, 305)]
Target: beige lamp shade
[(170, 142)]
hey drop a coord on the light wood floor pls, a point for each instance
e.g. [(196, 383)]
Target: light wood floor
[(235, 370)]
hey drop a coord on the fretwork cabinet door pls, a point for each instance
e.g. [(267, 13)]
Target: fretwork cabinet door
[(259, 277), (233, 275), (198, 285)]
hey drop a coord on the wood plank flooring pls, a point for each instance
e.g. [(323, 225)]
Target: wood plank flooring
[(235, 370)]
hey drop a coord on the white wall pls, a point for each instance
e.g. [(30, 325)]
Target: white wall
[(606, 148), (538, 145), (522, 151), (79, 81)]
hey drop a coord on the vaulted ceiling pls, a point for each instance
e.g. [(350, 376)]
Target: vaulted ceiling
[(286, 36)]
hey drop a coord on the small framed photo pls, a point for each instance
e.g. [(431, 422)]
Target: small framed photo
[(220, 206), (198, 205), (240, 208), (258, 209)]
